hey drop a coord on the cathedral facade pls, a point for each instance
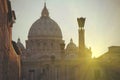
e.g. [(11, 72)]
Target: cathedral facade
[(45, 56)]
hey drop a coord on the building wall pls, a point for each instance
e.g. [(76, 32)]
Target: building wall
[(109, 63), (9, 60), (39, 48), (48, 70)]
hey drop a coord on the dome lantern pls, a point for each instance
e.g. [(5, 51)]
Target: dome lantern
[(71, 41), (18, 40), (45, 12)]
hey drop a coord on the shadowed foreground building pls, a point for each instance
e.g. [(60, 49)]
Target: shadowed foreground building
[(45, 56), (9, 52), (110, 64)]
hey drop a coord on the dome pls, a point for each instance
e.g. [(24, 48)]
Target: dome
[(45, 27), (20, 45), (71, 48)]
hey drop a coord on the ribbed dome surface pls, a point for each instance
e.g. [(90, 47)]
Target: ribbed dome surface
[(45, 27)]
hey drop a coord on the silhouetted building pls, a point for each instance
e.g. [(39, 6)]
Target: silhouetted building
[(83, 51), (9, 52), (81, 32), (109, 64), (46, 57), (112, 56)]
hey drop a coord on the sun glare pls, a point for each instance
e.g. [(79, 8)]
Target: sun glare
[(97, 54)]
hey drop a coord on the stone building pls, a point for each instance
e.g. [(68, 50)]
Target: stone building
[(108, 65), (45, 56), (9, 52), (112, 55)]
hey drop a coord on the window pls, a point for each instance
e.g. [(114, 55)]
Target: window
[(31, 74)]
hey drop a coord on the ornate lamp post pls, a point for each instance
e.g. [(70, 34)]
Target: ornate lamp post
[(81, 32)]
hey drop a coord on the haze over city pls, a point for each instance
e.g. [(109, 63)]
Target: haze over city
[(102, 20)]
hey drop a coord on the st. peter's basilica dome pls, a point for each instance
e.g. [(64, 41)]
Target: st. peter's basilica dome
[(45, 27)]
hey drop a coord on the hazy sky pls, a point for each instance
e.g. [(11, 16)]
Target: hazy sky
[(102, 25)]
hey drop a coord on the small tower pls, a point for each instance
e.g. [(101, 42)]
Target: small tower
[(81, 32)]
